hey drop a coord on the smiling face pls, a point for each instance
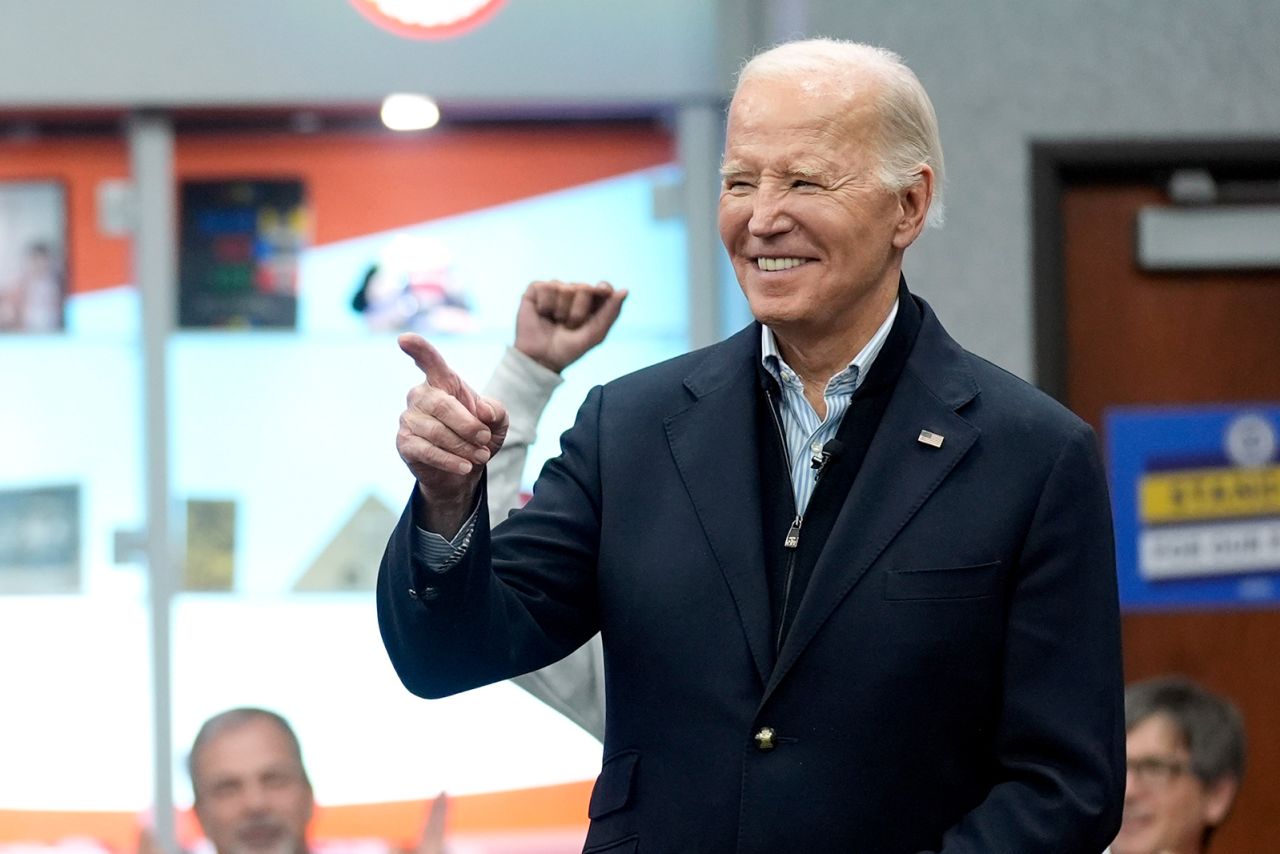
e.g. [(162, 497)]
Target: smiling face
[(1166, 806), (815, 239), (252, 796)]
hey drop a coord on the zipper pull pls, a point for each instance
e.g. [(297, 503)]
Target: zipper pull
[(793, 535)]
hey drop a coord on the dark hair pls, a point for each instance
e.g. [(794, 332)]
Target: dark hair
[(1209, 725), (360, 299), (234, 719)]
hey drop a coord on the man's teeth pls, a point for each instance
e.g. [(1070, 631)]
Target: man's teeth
[(773, 264)]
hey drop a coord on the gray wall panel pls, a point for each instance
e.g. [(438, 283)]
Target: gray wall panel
[(60, 52)]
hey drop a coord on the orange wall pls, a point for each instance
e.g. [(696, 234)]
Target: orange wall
[(399, 823), (94, 260), (356, 183)]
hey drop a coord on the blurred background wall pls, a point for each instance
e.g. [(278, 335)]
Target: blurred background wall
[(1001, 74)]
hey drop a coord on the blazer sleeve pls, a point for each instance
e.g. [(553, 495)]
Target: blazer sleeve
[(516, 600), (1060, 746)]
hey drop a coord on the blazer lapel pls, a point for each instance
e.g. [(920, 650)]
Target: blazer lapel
[(713, 443), (899, 474)]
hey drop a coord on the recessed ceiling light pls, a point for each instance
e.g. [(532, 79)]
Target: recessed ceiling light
[(404, 111)]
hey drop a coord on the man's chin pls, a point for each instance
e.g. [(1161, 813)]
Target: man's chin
[(277, 844), (1132, 842), (774, 313)]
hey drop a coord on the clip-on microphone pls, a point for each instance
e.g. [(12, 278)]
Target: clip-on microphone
[(829, 451)]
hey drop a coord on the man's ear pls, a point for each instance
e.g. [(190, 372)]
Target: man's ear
[(1218, 799), (913, 204)]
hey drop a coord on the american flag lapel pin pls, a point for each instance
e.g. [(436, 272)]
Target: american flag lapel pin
[(930, 438)]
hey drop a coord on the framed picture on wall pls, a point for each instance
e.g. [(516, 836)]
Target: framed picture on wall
[(238, 253), (33, 240), (40, 539)]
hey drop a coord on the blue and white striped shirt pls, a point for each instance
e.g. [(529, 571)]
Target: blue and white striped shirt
[(804, 432)]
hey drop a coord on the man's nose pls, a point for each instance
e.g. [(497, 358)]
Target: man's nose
[(769, 214), (1132, 785), (255, 798)]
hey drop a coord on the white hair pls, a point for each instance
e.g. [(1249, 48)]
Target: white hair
[(908, 130)]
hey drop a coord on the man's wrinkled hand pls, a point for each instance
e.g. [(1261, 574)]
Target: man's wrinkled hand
[(447, 434)]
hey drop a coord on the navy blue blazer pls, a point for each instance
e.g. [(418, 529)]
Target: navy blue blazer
[(951, 682)]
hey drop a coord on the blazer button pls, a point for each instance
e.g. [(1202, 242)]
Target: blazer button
[(764, 738)]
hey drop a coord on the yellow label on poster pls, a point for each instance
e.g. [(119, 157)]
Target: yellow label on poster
[(1201, 494)]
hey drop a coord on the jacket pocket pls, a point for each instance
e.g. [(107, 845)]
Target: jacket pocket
[(612, 790), (629, 845), (960, 582)]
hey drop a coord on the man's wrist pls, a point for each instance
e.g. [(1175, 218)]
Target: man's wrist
[(444, 514), (543, 360)]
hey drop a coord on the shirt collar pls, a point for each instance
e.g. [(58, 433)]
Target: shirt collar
[(771, 356)]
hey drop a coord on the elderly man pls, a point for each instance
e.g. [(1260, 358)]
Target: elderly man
[(1186, 759), (855, 585)]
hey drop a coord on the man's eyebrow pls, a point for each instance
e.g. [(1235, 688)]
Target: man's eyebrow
[(807, 170), (732, 167)]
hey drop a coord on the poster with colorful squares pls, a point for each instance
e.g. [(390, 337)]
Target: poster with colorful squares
[(1196, 497)]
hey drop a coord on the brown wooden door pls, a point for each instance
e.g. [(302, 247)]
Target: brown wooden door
[(1142, 338)]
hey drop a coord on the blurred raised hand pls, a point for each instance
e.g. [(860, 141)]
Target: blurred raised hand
[(432, 841), (559, 321)]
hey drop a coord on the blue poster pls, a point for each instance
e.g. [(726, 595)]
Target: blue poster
[(1196, 497)]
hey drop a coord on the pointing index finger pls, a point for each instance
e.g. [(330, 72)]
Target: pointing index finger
[(429, 361)]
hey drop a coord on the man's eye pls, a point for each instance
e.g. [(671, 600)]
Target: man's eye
[(801, 184), (276, 781)]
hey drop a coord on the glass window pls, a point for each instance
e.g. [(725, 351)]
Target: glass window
[(283, 419), (285, 384), (77, 739)]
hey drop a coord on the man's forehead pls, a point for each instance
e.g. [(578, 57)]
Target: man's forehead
[(245, 748), (800, 126), (819, 147), (1156, 732)]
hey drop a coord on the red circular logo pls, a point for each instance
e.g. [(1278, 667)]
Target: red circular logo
[(428, 19)]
